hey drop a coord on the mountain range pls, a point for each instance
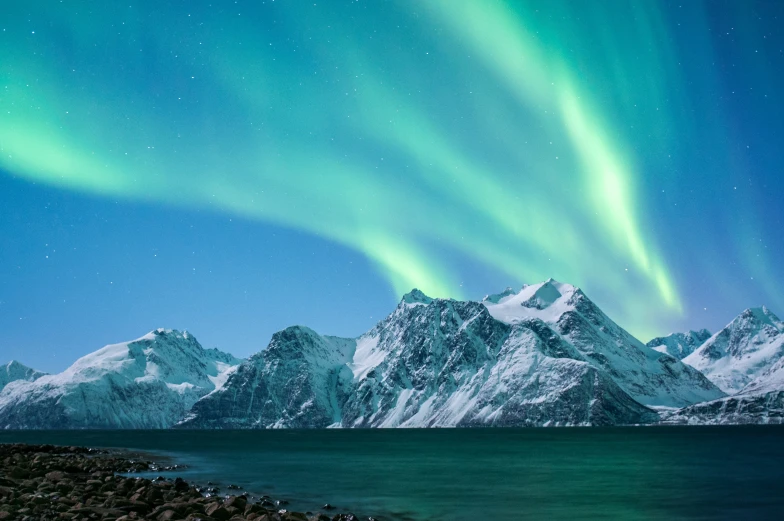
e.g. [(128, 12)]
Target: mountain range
[(545, 355), (149, 383)]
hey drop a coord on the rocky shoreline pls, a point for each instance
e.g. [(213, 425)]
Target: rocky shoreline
[(48, 482)]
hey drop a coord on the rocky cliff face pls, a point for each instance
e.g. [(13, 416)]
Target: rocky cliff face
[(148, 383), (680, 345), (296, 382), (544, 356)]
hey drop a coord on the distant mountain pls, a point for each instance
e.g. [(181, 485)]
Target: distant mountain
[(545, 355), (147, 383), (753, 407), (742, 351), (13, 371), (679, 345), (746, 359)]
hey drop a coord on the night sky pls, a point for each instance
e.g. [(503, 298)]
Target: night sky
[(233, 168)]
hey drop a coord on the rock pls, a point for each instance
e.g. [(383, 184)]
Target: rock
[(239, 502), (154, 495), (167, 515), (217, 511), (89, 490), (18, 473), (140, 507), (55, 476)]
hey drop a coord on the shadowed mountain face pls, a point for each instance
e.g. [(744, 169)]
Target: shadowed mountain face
[(544, 356), (148, 383), (680, 345)]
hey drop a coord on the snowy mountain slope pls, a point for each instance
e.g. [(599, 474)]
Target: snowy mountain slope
[(650, 377), (467, 369), (148, 383), (432, 362), (680, 345), (13, 370), (741, 352), (747, 359)]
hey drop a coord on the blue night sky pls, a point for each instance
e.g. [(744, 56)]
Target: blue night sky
[(233, 168)]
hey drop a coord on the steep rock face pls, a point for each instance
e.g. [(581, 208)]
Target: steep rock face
[(467, 369), (648, 376), (147, 383), (294, 383), (747, 348), (679, 345), (13, 371), (432, 362)]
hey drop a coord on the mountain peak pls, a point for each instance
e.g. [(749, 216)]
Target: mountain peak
[(14, 370), (496, 297), (544, 295), (680, 345), (742, 351), (415, 296), (546, 300), (756, 317)]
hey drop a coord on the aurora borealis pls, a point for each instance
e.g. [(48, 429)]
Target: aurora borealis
[(458, 146)]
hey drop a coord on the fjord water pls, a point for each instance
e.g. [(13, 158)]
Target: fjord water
[(687, 473)]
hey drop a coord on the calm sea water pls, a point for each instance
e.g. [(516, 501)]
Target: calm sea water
[(647, 473)]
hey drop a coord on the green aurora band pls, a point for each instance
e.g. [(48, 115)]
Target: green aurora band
[(435, 132)]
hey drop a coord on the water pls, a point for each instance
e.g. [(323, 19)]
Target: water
[(689, 473)]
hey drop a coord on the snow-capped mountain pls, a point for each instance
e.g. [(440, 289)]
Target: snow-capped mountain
[(650, 377), (13, 371), (744, 350), (150, 382), (680, 345), (746, 359), (543, 356)]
